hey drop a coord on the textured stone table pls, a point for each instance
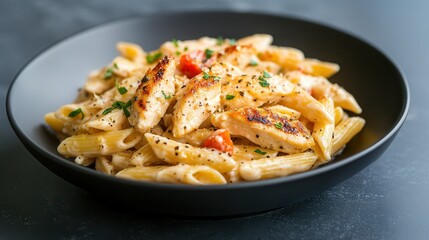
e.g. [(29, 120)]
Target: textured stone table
[(387, 200)]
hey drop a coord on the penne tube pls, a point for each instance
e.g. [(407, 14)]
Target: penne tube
[(323, 133), (121, 160), (141, 173), (339, 114), (113, 121), (104, 165), (195, 175), (131, 51), (247, 153), (318, 68), (175, 152), (345, 131), (277, 167), (99, 144), (145, 156), (84, 161)]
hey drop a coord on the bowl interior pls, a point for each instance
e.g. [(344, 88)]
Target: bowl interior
[(53, 78)]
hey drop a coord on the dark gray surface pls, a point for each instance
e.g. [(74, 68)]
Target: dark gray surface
[(388, 200)]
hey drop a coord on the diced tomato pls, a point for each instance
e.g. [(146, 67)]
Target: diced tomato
[(220, 140), (190, 63)]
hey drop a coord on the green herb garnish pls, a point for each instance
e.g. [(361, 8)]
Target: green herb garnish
[(266, 74), (178, 53), (279, 125), (229, 97), (260, 152), (119, 105), (77, 112), (175, 42), (209, 53), (185, 49), (232, 41), (220, 41), (253, 62), (121, 90), (263, 82), (152, 58), (206, 75), (165, 95), (109, 72)]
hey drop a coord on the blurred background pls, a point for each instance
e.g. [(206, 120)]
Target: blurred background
[(385, 201)]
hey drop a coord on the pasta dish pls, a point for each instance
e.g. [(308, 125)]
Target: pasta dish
[(208, 111)]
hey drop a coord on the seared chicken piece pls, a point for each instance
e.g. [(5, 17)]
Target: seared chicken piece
[(266, 128), (310, 108), (320, 87), (153, 95), (200, 99), (242, 90)]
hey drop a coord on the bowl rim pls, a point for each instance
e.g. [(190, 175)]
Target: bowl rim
[(26, 141)]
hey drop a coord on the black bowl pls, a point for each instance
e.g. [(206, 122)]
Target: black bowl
[(52, 78)]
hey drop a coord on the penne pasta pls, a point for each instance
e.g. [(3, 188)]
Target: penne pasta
[(345, 131), (100, 144), (323, 133), (207, 111), (145, 156), (195, 175), (277, 167), (104, 165), (174, 152), (141, 173)]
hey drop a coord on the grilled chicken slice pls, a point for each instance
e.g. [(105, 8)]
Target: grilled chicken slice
[(242, 90), (200, 99), (153, 95), (320, 87), (266, 128)]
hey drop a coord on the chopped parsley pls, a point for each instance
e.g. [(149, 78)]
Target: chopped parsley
[(185, 49), (253, 62), (109, 72), (152, 58), (232, 41), (262, 79), (220, 41), (229, 97), (266, 74), (260, 152), (175, 42), (209, 53), (121, 90), (263, 82), (178, 53), (165, 95), (77, 112), (119, 105), (207, 76), (279, 125)]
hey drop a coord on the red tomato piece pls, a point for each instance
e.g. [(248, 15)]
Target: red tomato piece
[(220, 140), (190, 63)]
